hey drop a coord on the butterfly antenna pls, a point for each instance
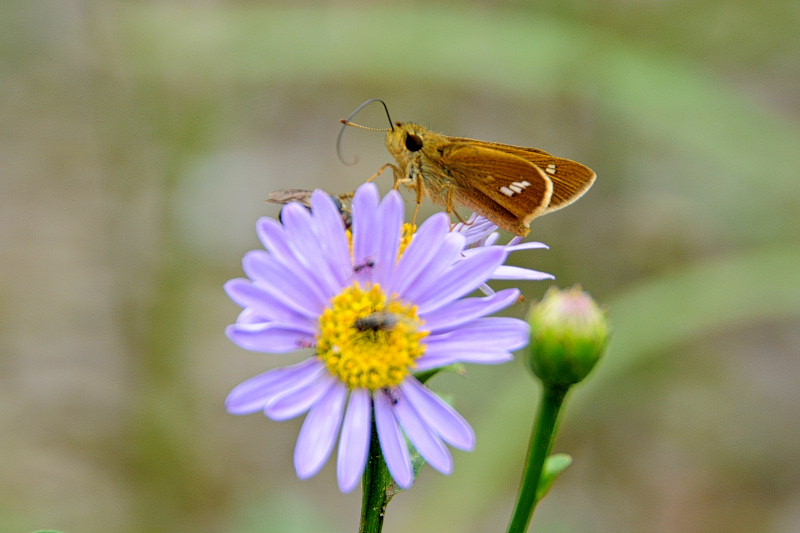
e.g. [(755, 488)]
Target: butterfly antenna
[(346, 122)]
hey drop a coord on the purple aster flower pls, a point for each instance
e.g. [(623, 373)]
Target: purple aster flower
[(376, 307)]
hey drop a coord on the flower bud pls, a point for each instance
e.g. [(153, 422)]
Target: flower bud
[(569, 333)]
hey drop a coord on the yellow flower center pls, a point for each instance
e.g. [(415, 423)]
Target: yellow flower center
[(405, 239), (368, 340)]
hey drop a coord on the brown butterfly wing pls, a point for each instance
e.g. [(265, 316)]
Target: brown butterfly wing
[(570, 178), (496, 146), (507, 189)]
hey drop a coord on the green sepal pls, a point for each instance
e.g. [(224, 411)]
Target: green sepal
[(553, 467), (417, 462), (455, 368)]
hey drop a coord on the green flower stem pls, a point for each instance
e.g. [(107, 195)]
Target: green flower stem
[(376, 485), (542, 436)]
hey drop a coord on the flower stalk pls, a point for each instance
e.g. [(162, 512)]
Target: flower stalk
[(542, 436), (376, 488)]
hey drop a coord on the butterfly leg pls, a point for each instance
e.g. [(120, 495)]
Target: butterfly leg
[(420, 187), (382, 170), (451, 207)]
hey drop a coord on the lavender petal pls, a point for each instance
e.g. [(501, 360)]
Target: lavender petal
[(354, 440), (269, 337), (365, 212), (331, 236), (438, 415), (483, 333), (423, 250), (301, 292), (393, 445), (252, 395), (266, 305), (390, 215), (519, 273), (460, 312), (298, 400), (424, 439), (464, 277), (318, 434)]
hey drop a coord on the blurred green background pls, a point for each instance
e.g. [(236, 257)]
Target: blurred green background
[(138, 141)]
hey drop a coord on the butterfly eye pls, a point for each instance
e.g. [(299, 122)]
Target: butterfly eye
[(413, 142)]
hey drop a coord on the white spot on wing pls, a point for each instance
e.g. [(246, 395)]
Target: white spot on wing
[(515, 188)]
